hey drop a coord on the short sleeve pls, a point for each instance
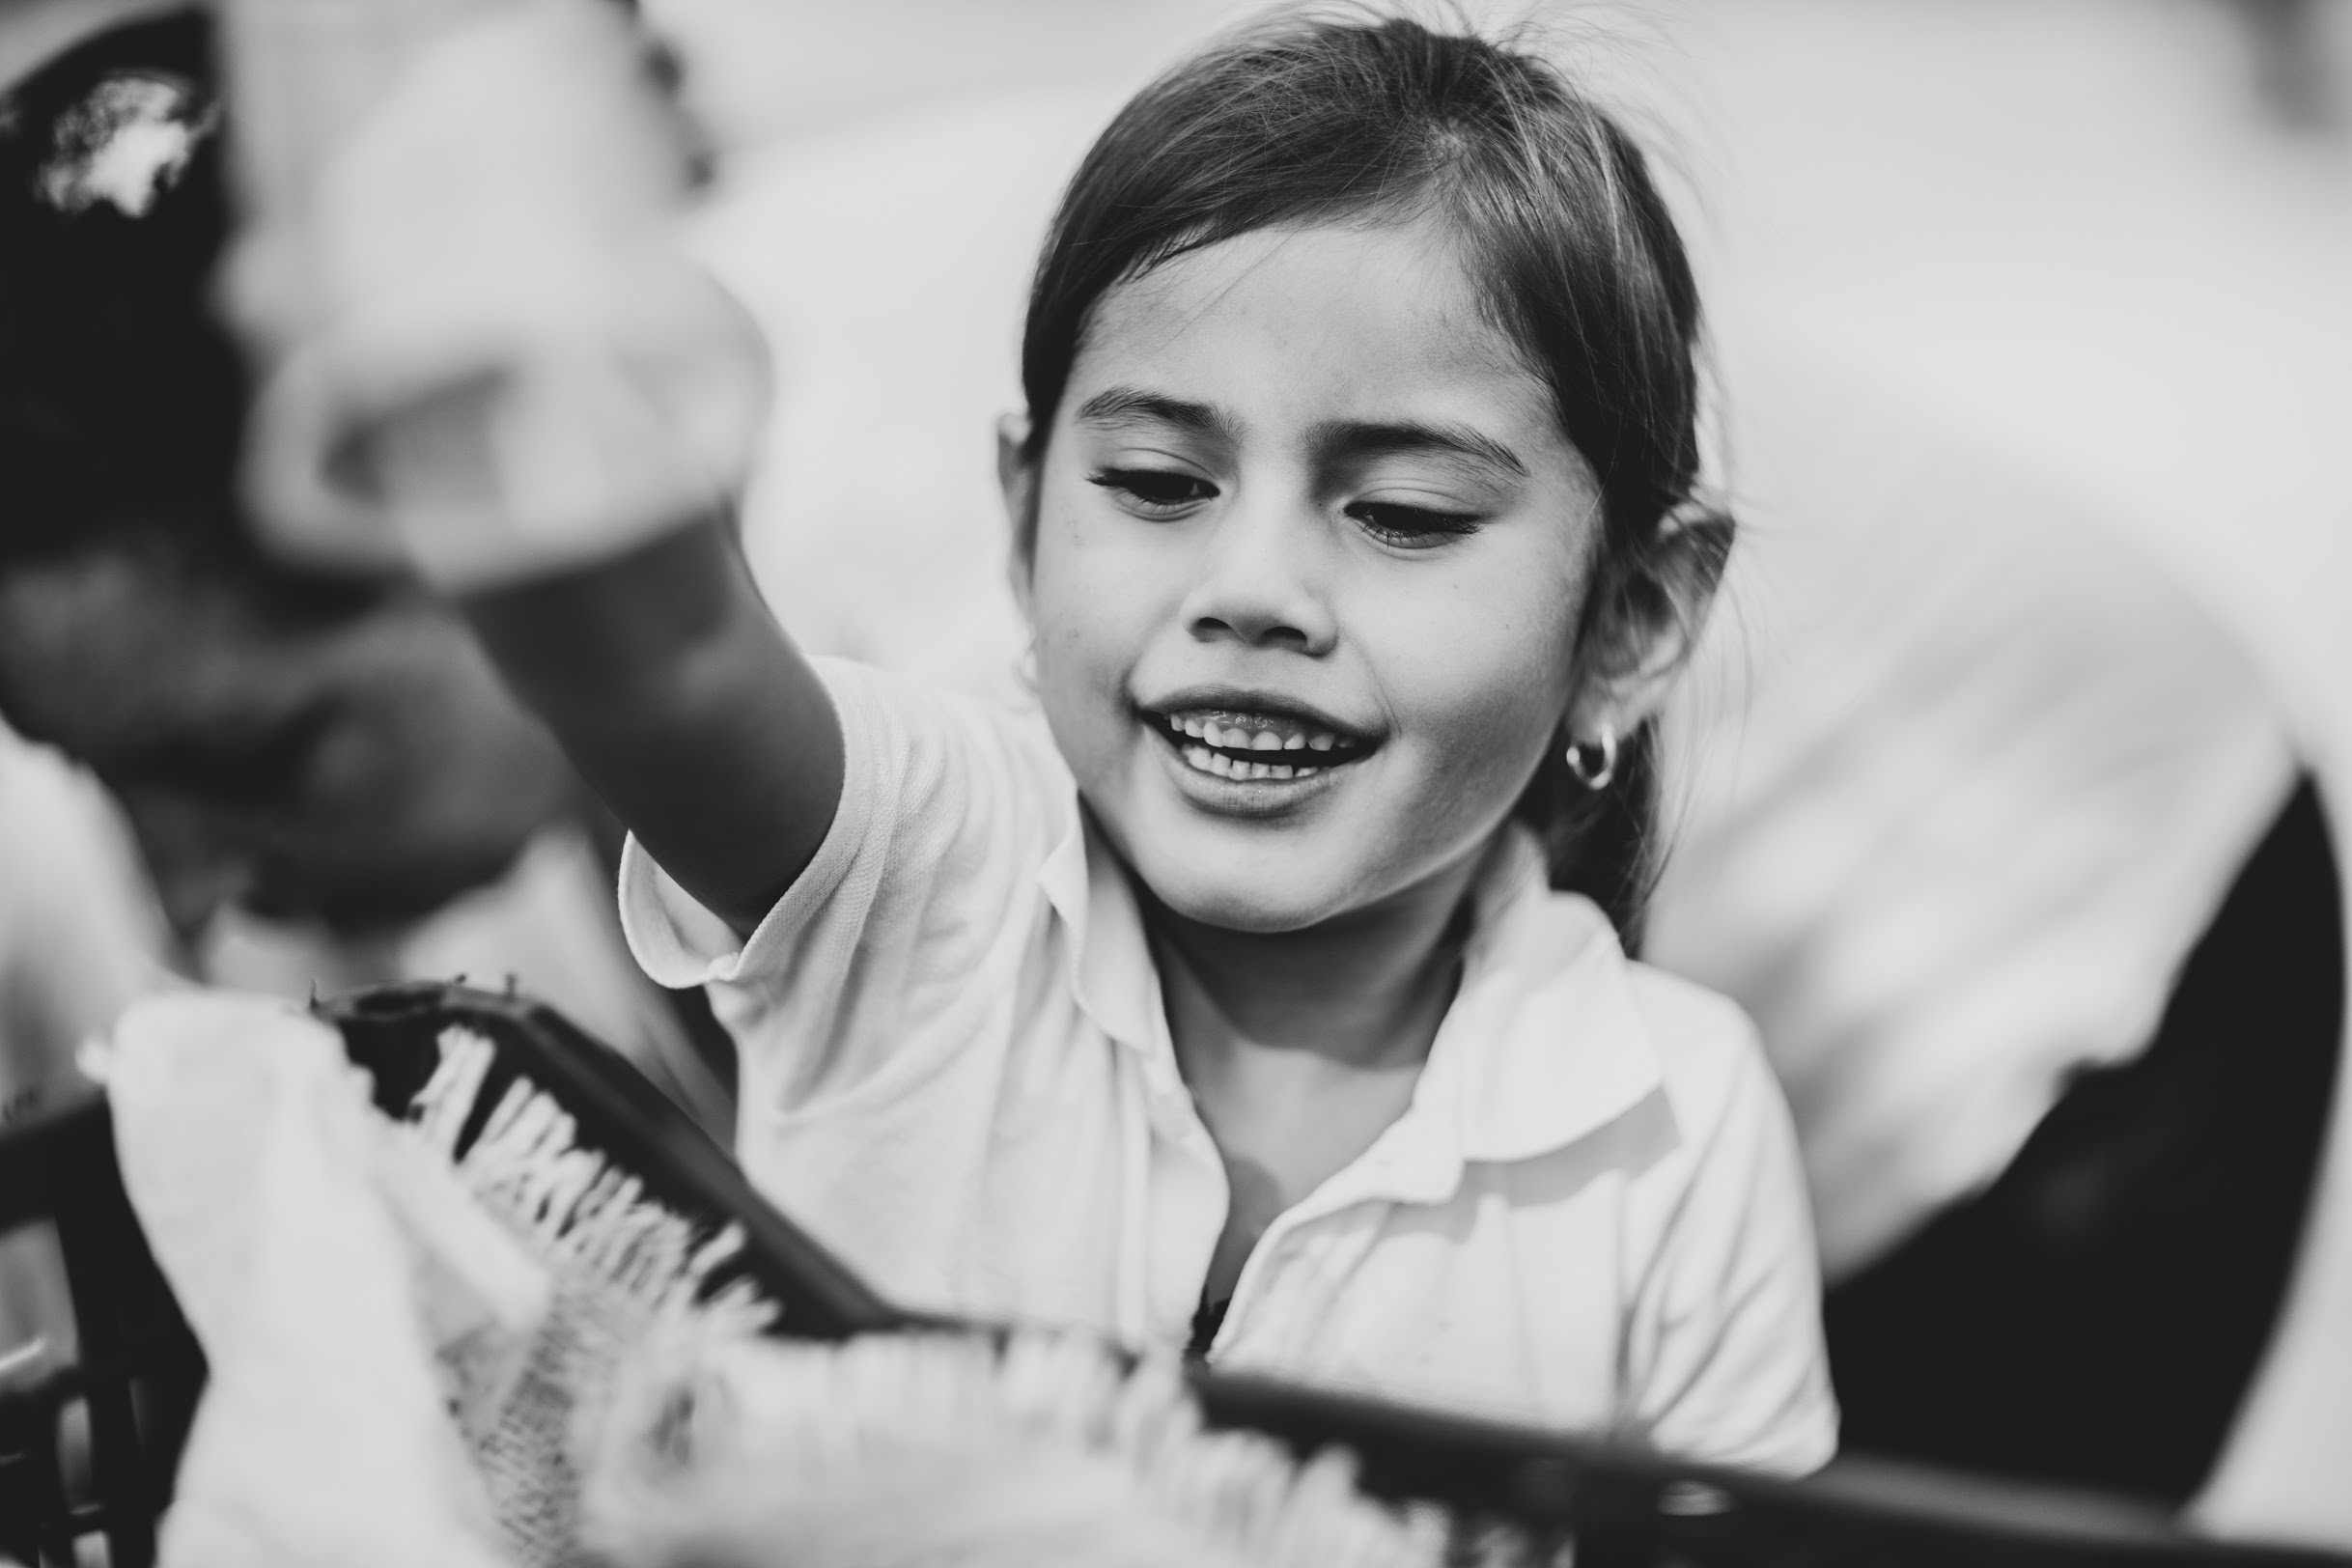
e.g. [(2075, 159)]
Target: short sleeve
[(1726, 1361), (922, 896)]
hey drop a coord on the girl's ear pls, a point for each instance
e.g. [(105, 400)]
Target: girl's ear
[(1017, 478), (1645, 621)]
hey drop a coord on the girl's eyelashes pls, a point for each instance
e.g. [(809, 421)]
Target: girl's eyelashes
[(1410, 527), (1155, 491), (1168, 492)]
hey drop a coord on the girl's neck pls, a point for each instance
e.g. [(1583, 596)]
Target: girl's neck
[(1365, 990)]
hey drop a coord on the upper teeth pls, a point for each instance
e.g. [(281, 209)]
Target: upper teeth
[(1277, 735)]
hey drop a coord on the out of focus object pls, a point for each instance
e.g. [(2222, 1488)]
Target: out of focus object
[(2001, 838), (1960, 779), (79, 938), (546, 927), (80, 935), (472, 200), (304, 73), (327, 785), (523, 1080), (2100, 1310), (354, 1284), (887, 271), (129, 1382), (569, 1143), (2303, 61)]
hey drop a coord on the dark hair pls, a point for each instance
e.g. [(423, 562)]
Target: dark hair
[(121, 401), (1315, 120)]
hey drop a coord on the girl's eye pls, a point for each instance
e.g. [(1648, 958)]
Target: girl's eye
[(1155, 491), (1410, 527)]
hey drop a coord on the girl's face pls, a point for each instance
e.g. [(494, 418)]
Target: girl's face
[(1309, 558)]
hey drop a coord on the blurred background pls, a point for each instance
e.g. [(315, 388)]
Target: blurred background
[(2033, 330)]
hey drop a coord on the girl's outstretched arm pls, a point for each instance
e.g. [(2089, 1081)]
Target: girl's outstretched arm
[(642, 643), (683, 703), (484, 354)]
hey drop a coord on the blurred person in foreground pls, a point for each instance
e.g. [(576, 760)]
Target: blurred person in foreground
[(326, 783)]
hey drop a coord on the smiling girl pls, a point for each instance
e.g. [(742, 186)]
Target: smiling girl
[(1232, 1005)]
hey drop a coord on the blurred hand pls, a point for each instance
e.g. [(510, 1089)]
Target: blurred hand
[(488, 356)]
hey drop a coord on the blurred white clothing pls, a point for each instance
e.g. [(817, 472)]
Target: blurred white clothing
[(80, 932), (321, 1258), (82, 938), (1956, 782)]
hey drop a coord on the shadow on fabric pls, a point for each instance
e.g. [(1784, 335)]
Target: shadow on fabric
[(2095, 1317)]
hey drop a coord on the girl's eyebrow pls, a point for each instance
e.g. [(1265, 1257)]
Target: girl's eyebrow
[(1128, 405), (1335, 441), (1341, 440)]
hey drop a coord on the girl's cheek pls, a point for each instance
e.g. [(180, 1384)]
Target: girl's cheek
[(1098, 585), (1480, 654), (1086, 622), (1483, 675)]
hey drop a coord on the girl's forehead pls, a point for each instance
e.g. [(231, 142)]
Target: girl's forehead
[(1355, 312)]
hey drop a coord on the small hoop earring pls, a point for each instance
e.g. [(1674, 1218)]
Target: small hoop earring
[(1026, 667), (1595, 777)]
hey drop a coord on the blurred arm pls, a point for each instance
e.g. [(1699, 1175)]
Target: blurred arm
[(487, 357), (684, 705), (657, 666)]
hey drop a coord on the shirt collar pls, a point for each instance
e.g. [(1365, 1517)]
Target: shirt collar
[(1545, 1042), (1543, 1045), (1110, 963)]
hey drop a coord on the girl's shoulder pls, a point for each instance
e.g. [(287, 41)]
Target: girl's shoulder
[(1708, 1055), (921, 757), (1575, 1036), (1694, 1029), (949, 807), (899, 714)]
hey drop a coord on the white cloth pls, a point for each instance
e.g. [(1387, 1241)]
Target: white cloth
[(80, 933), (474, 201), (80, 936), (956, 1070), (263, 1181), (1961, 779)]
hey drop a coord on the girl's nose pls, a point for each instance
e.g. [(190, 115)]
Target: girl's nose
[(1263, 582)]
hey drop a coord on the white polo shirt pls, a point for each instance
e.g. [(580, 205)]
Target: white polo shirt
[(956, 1070)]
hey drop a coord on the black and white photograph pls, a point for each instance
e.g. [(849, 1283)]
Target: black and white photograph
[(1130, 783)]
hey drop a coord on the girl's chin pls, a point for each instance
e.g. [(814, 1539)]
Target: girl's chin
[(1242, 909), (1259, 855), (1236, 879)]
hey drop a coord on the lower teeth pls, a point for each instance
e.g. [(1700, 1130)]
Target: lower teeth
[(1224, 767)]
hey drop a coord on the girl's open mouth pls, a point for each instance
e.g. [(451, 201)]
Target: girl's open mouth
[(1252, 744)]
